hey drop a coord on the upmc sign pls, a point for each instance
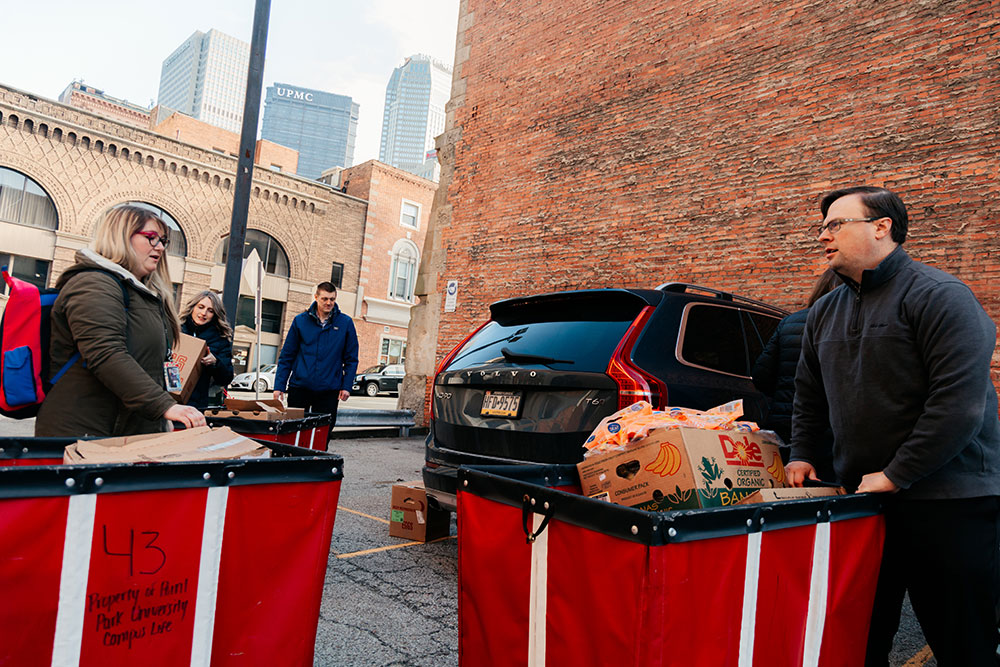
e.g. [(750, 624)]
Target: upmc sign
[(293, 94)]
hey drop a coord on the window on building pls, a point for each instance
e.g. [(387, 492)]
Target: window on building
[(270, 251), (270, 314), (28, 269), (409, 215), (23, 201), (403, 274), (337, 275), (178, 242), (393, 351)]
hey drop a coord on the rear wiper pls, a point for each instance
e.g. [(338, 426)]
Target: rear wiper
[(531, 358)]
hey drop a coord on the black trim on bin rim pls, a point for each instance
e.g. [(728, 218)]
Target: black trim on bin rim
[(287, 464), (272, 427), (511, 484)]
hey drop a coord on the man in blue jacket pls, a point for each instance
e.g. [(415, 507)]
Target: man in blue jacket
[(897, 363), (320, 355)]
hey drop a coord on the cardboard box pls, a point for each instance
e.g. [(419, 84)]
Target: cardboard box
[(265, 409), (790, 493), (188, 354), (197, 444), (410, 517), (672, 469)]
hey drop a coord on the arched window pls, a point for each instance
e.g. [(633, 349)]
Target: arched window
[(23, 201), (403, 274), (178, 242), (268, 248)]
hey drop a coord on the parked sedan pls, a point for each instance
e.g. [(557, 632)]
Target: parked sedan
[(245, 381), (383, 377)]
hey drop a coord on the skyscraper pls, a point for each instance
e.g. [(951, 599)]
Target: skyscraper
[(206, 78), (415, 98), (321, 126)]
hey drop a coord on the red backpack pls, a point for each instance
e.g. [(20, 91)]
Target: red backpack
[(25, 330)]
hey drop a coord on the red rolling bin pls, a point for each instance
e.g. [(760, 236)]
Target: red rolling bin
[(193, 563), (548, 577), (311, 431)]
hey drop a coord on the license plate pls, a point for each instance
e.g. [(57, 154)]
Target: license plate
[(501, 404)]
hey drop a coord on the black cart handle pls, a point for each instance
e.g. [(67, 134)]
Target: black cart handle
[(527, 510)]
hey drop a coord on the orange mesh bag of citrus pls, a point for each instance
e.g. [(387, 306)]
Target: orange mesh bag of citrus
[(637, 420)]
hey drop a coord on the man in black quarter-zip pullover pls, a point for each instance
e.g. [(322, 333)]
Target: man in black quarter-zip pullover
[(896, 361)]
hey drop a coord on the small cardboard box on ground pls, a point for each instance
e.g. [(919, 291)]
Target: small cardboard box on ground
[(672, 469), (790, 493), (410, 517), (196, 444), (264, 409), (187, 356)]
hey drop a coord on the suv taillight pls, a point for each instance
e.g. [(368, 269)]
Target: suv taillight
[(448, 358), (635, 384)]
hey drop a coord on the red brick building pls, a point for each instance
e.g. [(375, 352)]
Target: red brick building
[(399, 207), (594, 144)]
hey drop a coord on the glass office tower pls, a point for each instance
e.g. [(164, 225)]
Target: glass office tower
[(414, 115), (321, 126), (206, 78)]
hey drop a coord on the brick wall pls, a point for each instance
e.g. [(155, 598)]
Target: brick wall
[(628, 143)]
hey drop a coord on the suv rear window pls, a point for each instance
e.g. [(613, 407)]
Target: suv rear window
[(724, 339), (579, 345)]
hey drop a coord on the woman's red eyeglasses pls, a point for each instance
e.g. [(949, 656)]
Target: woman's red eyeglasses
[(155, 238)]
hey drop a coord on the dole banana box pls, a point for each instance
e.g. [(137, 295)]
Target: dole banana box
[(672, 469)]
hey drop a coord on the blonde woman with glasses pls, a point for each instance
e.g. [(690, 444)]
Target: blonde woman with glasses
[(113, 326)]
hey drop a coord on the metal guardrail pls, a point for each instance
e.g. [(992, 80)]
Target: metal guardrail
[(357, 418)]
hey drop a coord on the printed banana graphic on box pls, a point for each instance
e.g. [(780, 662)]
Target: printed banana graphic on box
[(668, 461), (777, 470)]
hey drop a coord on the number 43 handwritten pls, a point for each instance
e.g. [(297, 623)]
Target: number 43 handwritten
[(158, 554)]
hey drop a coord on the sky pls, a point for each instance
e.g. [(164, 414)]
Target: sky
[(118, 46)]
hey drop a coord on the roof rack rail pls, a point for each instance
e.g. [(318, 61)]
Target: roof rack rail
[(726, 296)]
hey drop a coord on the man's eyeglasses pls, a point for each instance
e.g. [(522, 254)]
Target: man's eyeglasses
[(835, 224), (155, 238)]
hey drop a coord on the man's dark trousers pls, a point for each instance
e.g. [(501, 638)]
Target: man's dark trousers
[(322, 402), (946, 553)]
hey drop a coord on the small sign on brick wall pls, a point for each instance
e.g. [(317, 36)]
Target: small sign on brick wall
[(451, 296)]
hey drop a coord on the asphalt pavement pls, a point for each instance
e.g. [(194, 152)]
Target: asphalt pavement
[(387, 601)]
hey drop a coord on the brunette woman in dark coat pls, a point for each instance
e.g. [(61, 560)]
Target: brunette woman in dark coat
[(205, 317), (774, 372)]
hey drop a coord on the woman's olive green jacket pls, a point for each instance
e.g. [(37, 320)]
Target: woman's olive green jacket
[(117, 386)]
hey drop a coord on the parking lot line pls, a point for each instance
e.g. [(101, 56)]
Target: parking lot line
[(391, 546), (367, 516), (920, 658)]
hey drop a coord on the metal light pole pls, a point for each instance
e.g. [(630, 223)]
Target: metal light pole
[(244, 169)]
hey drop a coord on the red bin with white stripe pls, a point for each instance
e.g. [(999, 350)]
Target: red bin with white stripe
[(548, 577), (207, 563), (311, 431)]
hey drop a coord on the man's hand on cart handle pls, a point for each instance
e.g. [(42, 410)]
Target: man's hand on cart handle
[(798, 471), (279, 395), (877, 482)]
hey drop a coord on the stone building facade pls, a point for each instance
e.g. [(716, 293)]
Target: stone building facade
[(399, 208), (692, 142), (86, 164)]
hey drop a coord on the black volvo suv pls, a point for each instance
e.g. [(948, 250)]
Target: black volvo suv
[(530, 385)]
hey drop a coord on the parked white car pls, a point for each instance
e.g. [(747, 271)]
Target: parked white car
[(245, 381)]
